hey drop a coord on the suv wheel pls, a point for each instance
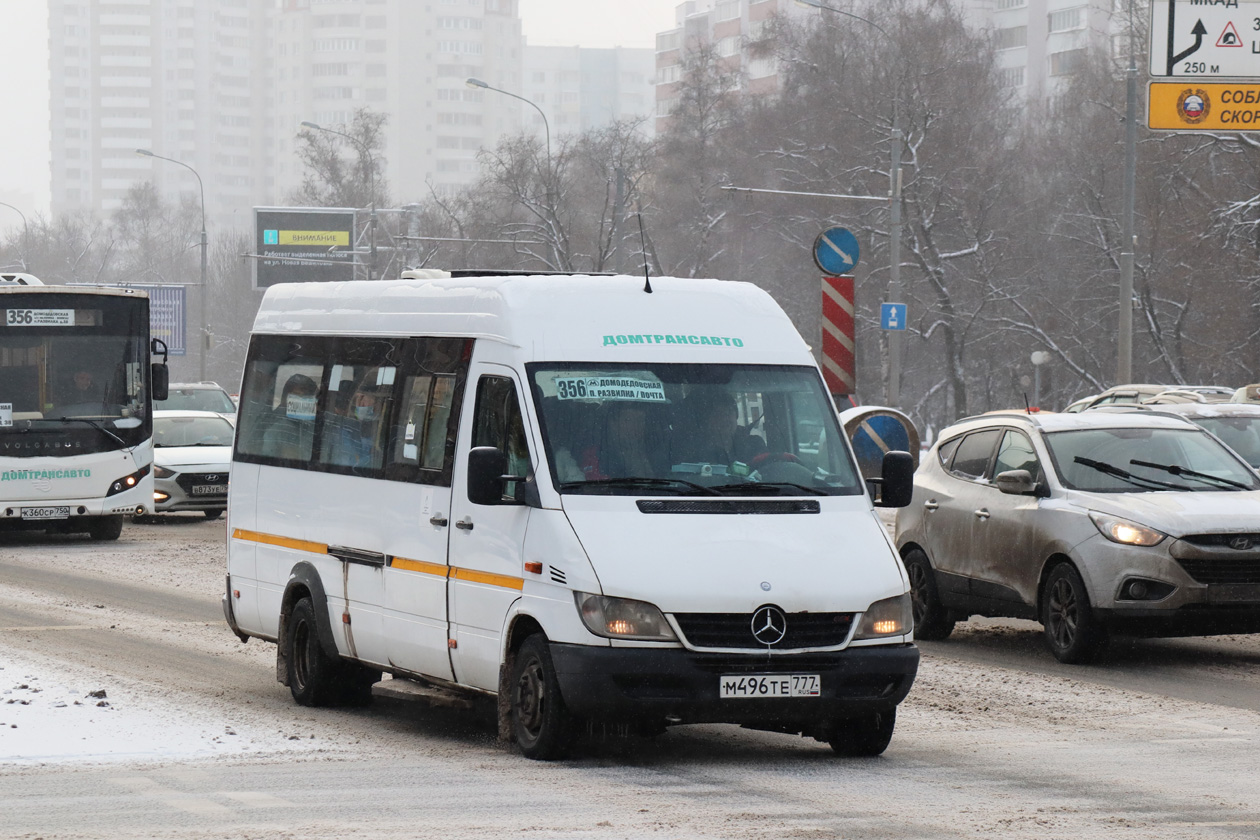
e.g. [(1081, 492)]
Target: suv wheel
[(1073, 631), (932, 621)]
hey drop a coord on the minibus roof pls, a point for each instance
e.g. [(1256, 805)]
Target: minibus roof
[(569, 317)]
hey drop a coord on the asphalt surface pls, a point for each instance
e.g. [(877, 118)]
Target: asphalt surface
[(996, 739)]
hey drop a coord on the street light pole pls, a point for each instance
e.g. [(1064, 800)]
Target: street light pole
[(894, 211), (1124, 335), (366, 152), (478, 83), (204, 345), (26, 235)]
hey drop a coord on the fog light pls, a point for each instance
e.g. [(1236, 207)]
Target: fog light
[(1138, 590), (1142, 589)]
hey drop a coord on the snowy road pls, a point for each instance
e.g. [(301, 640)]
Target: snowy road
[(128, 710)]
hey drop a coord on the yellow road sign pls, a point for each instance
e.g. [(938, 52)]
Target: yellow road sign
[(1190, 105)]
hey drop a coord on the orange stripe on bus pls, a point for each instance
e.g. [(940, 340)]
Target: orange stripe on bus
[(419, 566), (506, 581), (283, 542)]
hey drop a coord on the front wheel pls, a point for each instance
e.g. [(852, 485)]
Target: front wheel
[(932, 621), (541, 725), (865, 735), (105, 527), (1073, 631), (212, 514)]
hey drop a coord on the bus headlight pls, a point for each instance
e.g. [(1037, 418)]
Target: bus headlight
[(622, 618), (127, 482), (889, 617)]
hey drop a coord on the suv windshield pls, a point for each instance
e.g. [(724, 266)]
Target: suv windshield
[(192, 431), (681, 429), (197, 399), (1136, 459)]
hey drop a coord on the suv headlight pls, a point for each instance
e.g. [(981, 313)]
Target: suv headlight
[(621, 618), (889, 617), (162, 472), (1125, 532)]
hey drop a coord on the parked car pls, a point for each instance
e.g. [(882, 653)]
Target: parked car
[(1247, 394), (198, 396), (1146, 393), (192, 454), (1237, 425), (1135, 522)]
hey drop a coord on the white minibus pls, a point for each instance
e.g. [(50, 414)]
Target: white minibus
[(608, 507)]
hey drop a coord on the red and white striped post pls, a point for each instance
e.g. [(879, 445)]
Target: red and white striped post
[(838, 335)]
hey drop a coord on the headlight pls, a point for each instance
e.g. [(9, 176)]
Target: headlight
[(127, 482), (889, 617), (163, 472), (621, 618), (1125, 532)]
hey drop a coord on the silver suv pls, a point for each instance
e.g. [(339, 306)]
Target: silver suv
[(1089, 523)]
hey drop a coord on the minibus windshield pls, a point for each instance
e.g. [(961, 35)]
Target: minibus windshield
[(691, 429)]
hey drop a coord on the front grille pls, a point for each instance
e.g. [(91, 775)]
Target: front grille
[(765, 506), (734, 630), (1223, 570), (189, 480), (1222, 540)]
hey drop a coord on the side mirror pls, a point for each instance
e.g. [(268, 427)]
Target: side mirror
[(1015, 482), (897, 481), (160, 377), (486, 466)]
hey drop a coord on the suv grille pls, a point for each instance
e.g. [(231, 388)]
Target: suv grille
[(1220, 570), (188, 480), (734, 630)]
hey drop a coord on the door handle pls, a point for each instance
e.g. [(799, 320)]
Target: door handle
[(437, 520), (983, 513), (931, 505), (464, 525)]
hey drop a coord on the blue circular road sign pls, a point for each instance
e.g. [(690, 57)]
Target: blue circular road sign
[(836, 251)]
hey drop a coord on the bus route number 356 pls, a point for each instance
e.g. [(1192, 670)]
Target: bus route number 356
[(769, 685)]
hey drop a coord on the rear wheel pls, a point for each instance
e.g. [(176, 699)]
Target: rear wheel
[(541, 725), (313, 674), (932, 621), (105, 527), (1072, 630), (212, 514), (863, 735)]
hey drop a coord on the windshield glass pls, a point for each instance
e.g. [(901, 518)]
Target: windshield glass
[(1135, 460), (680, 429), (1241, 434), (197, 399), (74, 364), (191, 431)]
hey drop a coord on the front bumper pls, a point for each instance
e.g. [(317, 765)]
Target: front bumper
[(177, 498), (682, 686)]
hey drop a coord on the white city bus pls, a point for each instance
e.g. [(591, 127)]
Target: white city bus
[(600, 504), (76, 450)]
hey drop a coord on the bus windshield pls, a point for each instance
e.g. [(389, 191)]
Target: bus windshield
[(687, 429), (76, 365)]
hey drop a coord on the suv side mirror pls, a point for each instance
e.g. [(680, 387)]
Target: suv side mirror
[(160, 377), (897, 481), (487, 468), (1015, 482)]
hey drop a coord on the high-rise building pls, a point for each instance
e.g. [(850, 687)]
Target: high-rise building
[(177, 77), (580, 88)]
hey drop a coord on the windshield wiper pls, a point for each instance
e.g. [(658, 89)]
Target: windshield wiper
[(751, 488), (1177, 469), (1125, 475), (634, 481), (94, 425)]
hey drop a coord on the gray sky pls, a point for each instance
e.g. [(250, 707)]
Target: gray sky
[(24, 85)]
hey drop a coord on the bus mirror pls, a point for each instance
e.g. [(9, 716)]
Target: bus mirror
[(486, 466), (897, 484), (161, 379)]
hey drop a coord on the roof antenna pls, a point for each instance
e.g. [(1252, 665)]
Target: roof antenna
[(647, 280), (1027, 405)]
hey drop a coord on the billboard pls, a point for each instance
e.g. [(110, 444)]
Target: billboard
[(168, 315), (303, 244)]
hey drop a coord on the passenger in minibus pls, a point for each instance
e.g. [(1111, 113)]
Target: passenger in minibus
[(291, 431), (623, 450)]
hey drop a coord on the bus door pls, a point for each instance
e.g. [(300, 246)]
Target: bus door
[(487, 541)]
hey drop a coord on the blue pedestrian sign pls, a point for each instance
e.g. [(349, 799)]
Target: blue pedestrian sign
[(836, 251), (892, 316)]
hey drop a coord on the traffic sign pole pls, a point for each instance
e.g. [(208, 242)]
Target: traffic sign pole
[(838, 345)]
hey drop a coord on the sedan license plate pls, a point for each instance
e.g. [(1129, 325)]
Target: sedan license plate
[(769, 685), (46, 512), (208, 489)]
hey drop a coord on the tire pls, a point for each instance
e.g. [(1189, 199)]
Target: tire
[(314, 677), (1072, 630), (863, 736), (541, 724), (356, 683), (932, 621), (212, 514), (105, 527)]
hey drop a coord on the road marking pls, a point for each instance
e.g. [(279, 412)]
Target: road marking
[(255, 799), (200, 805)]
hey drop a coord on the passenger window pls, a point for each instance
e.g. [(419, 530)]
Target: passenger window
[(498, 423), (279, 402), (1016, 453), (974, 453), (946, 451), (425, 416), (356, 406)]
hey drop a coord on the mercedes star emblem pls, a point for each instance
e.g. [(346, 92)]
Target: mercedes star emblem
[(769, 625)]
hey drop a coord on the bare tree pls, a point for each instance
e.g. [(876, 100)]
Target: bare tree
[(332, 180)]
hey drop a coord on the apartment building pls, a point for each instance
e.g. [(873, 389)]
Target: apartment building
[(176, 77), (582, 88)]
